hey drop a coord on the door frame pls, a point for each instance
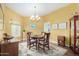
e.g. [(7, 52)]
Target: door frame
[(75, 18)]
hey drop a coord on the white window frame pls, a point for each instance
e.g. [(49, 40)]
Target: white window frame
[(16, 30), (47, 27)]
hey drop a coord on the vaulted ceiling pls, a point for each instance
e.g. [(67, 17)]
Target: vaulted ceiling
[(27, 9)]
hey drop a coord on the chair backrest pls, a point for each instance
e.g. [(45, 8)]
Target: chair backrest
[(28, 35), (46, 37), (42, 33)]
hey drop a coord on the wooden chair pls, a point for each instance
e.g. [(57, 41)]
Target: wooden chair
[(42, 33), (44, 42), (30, 42)]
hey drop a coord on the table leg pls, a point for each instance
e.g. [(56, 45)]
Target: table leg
[(36, 44)]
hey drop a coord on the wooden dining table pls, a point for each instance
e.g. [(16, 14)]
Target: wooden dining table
[(37, 38)]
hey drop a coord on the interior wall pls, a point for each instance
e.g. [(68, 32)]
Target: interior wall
[(61, 15), (1, 18), (9, 16), (39, 25), (25, 22)]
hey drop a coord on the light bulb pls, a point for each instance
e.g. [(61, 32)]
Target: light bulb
[(38, 18), (32, 17)]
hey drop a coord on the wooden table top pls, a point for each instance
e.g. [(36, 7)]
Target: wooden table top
[(37, 36)]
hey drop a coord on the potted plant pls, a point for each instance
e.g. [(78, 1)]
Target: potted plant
[(24, 34), (23, 30)]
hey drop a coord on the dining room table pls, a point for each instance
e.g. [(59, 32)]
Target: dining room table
[(37, 38)]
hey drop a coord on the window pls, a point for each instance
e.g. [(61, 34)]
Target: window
[(15, 30), (47, 27)]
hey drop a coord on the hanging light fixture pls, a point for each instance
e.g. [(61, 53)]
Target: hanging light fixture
[(35, 16)]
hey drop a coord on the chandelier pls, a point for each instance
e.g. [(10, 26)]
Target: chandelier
[(35, 16)]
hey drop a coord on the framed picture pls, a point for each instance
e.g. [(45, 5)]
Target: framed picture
[(54, 26), (62, 25), (33, 26)]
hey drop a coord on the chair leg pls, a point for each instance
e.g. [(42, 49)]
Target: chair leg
[(38, 46), (29, 45), (44, 48), (48, 47)]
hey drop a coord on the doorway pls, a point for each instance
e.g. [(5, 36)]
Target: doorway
[(74, 33)]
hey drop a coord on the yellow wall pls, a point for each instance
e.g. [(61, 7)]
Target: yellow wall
[(39, 25), (25, 22), (60, 16), (1, 16), (10, 15)]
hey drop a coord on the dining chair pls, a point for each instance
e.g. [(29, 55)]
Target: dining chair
[(42, 33), (44, 42), (30, 42)]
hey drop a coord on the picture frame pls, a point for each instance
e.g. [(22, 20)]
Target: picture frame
[(33, 26), (54, 26), (62, 25)]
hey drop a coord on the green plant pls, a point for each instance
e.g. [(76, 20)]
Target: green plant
[(23, 30)]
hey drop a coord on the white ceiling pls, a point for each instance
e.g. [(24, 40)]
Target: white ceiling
[(27, 9)]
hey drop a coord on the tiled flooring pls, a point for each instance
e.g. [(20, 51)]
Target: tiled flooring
[(55, 50)]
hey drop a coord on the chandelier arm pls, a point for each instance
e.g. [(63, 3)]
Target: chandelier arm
[(35, 16)]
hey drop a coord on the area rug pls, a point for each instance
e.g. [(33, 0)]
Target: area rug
[(55, 50)]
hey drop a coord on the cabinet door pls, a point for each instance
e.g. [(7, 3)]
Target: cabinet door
[(12, 49), (3, 50)]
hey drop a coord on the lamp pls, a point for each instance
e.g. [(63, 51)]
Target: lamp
[(35, 16)]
